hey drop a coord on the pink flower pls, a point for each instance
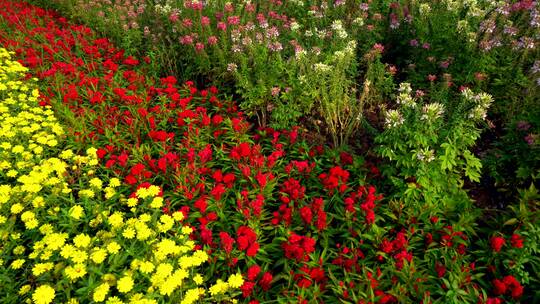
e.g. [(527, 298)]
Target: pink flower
[(233, 20), (205, 21), (378, 47), (199, 46), (173, 17), (212, 40), (222, 26)]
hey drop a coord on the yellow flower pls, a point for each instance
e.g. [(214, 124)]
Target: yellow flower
[(218, 288), (16, 208), (132, 202), (87, 193), (76, 212), (96, 183), (55, 240), (101, 292), (99, 256), (157, 202), (75, 272), (186, 230), (67, 251), (142, 193), (236, 280), (18, 250), (198, 279), (92, 152), (178, 216), (114, 182), (82, 240), (79, 256), (46, 229), (31, 224), (191, 296), (114, 300), (25, 289), (17, 263), (125, 284), (44, 294), (38, 201), (129, 233), (41, 268), (4, 193), (153, 190), (116, 219), (146, 267), (113, 247), (66, 154)]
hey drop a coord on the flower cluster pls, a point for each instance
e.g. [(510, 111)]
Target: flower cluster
[(61, 222)]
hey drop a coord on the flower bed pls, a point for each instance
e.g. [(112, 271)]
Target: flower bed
[(300, 223)]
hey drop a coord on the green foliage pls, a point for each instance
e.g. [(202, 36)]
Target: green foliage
[(429, 147)]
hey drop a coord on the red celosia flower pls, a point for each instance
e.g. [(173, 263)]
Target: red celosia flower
[(516, 241), (345, 158), (306, 214), (497, 243), (494, 301), (499, 287), (298, 247), (294, 189), (266, 281), (440, 269), (517, 292), (226, 241), (253, 272), (247, 288), (247, 240)]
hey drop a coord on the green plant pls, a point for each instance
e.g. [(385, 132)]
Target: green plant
[(429, 146)]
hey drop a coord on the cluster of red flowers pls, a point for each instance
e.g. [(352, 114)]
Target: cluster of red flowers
[(508, 284), (497, 242), (336, 179), (253, 278), (298, 247)]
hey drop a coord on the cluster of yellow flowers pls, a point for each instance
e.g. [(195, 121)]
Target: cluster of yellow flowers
[(68, 235)]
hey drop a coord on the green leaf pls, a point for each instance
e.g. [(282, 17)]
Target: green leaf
[(511, 221)]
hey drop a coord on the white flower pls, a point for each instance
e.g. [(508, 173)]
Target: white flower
[(295, 26), (432, 111), (321, 67), (426, 155), (393, 118), (424, 9), (231, 67)]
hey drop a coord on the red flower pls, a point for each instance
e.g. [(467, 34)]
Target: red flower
[(226, 241), (494, 301), (247, 288), (252, 249), (497, 243), (266, 281), (298, 247), (517, 292), (516, 240), (499, 286), (306, 214), (440, 269), (247, 240), (253, 272)]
